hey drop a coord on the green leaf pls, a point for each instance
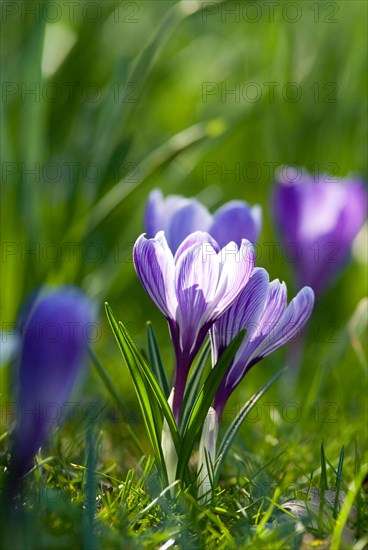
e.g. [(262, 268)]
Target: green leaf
[(323, 488), (193, 383), (237, 422), (155, 360), (324, 481), (204, 400), (343, 516), (153, 428), (338, 483), (151, 382), (150, 396)]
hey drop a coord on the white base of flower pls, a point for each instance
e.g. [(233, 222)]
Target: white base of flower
[(207, 455), (168, 448)]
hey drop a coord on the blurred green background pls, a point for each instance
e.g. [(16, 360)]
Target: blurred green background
[(104, 101)]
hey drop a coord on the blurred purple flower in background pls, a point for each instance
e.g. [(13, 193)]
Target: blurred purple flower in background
[(321, 218), (192, 289), (53, 352), (262, 309), (178, 216)]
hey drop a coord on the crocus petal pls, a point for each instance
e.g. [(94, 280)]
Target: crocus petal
[(274, 307), (319, 218), (235, 221), (269, 318), (192, 217), (355, 211), (53, 350), (175, 215), (160, 211), (244, 313), (196, 283), (154, 263), (273, 325), (290, 324), (236, 268), (178, 217), (209, 245), (153, 216)]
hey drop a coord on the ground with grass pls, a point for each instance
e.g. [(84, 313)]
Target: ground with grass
[(101, 105)]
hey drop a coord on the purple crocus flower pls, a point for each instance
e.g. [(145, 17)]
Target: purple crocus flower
[(53, 351), (178, 217), (192, 288), (319, 219), (262, 309)]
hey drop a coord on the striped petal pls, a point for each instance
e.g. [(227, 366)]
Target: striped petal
[(197, 274), (209, 245), (154, 264), (290, 324), (237, 265), (244, 313)]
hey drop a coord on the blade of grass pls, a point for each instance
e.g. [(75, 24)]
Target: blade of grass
[(359, 503), (156, 361), (269, 511), (323, 488), (148, 166), (152, 383), (150, 422), (90, 490), (193, 383), (346, 507), (237, 422), (338, 482), (118, 113)]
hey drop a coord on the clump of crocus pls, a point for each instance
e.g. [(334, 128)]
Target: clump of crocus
[(320, 217), (261, 308), (192, 288), (53, 351), (178, 217)]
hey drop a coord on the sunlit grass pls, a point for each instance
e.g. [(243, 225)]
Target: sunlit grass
[(76, 174)]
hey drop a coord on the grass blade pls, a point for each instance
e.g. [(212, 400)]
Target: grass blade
[(193, 383), (338, 482), (151, 423), (323, 488), (324, 480), (155, 360), (346, 507), (151, 398), (152, 162), (157, 393), (237, 422)]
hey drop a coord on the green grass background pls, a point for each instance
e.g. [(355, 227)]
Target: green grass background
[(119, 91)]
